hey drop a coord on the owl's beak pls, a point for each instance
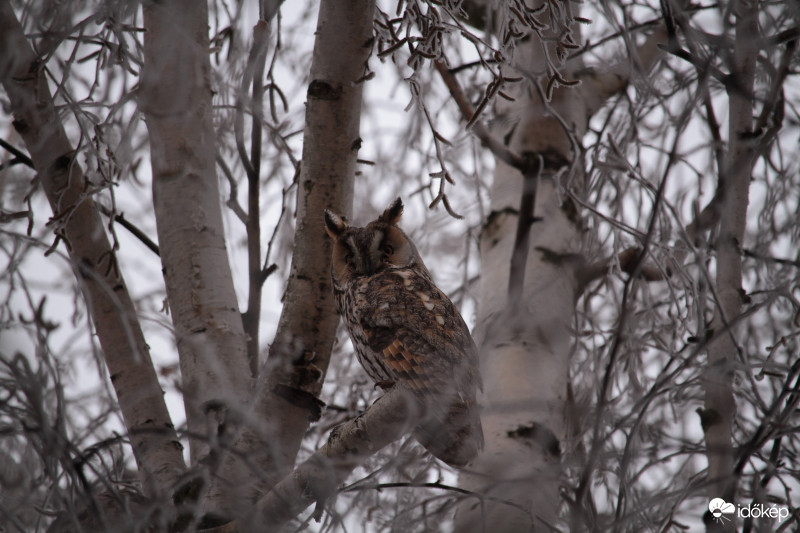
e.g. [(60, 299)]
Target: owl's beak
[(370, 265), (364, 268)]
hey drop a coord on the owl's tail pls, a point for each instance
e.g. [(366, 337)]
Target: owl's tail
[(454, 436)]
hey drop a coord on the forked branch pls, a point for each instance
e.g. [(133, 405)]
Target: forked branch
[(319, 477)]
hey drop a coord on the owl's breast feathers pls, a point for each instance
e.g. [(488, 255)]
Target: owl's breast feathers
[(415, 333), (408, 333)]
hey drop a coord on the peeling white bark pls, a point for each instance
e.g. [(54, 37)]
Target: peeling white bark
[(524, 352)]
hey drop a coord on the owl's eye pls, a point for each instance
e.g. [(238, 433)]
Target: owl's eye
[(387, 249)]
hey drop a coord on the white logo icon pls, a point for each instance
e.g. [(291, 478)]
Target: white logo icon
[(719, 507)]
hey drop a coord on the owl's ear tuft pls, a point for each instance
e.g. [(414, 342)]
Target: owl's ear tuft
[(334, 224), (393, 213)]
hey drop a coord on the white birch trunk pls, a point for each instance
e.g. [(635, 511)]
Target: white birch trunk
[(286, 397), (525, 351), (176, 100), (299, 356)]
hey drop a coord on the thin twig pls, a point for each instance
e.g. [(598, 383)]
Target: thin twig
[(120, 219), (496, 146), (233, 201), (252, 317), (19, 155)]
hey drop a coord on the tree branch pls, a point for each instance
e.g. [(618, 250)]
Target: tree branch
[(233, 200), (717, 381), (252, 317), (120, 219), (175, 96), (319, 477), (19, 155), (496, 146), (287, 388)]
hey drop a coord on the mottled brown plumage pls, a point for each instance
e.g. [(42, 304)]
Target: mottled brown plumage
[(406, 331)]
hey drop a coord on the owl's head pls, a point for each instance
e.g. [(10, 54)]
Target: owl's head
[(377, 247)]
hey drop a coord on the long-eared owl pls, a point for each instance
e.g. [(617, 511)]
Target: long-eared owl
[(406, 332)]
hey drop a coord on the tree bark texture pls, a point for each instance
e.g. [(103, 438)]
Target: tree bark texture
[(724, 352), (155, 444), (291, 380), (525, 350), (525, 340), (175, 96)]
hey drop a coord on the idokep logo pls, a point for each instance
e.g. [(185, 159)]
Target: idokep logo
[(723, 511), (719, 508)]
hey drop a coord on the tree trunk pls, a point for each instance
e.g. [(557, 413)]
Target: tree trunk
[(153, 438), (176, 99), (525, 341), (724, 352), (289, 384), (523, 329)]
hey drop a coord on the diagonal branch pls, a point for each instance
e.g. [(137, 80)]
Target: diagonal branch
[(319, 477), (120, 219), (19, 155), (495, 145)]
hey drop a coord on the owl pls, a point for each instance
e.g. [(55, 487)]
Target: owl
[(406, 332)]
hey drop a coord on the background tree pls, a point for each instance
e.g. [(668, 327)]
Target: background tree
[(630, 266)]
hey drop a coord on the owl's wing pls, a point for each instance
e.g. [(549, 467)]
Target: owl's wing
[(418, 335)]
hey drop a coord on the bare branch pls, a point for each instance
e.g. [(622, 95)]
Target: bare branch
[(19, 155), (497, 147), (319, 477), (136, 232), (252, 317), (233, 201), (734, 186)]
